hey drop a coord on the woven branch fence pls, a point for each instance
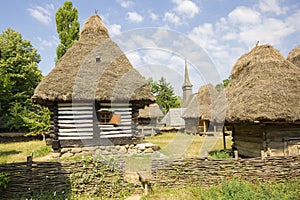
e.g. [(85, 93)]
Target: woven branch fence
[(205, 172), (106, 177), (29, 178)]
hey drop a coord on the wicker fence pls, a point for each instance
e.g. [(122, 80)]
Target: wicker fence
[(204, 172), (29, 178), (106, 177)]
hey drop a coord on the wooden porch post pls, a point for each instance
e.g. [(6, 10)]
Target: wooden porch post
[(224, 139)]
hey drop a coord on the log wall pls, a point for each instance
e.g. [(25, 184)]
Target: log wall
[(191, 125), (275, 139), (77, 124), (75, 121)]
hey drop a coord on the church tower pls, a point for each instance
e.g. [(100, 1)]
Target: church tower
[(187, 88)]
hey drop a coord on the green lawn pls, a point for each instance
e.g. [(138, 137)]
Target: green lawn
[(18, 151), (188, 145), (233, 189)]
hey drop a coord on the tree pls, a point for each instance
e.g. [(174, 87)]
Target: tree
[(164, 93), (19, 77), (67, 27), (221, 86)]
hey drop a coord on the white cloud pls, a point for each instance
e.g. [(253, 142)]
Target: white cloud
[(293, 21), (187, 8), (115, 29), (43, 15), (172, 18), (44, 44), (270, 31), (244, 15), (126, 4), (153, 16), (134, 17), (272, 6)]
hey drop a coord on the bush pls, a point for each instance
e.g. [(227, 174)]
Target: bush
[(3, 180), (220, 154), (28, 117)]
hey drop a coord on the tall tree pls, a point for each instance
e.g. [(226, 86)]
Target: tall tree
[(221, 86), (19, 77), (67, 27), (164, 93)]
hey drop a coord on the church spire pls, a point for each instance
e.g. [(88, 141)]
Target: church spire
[(186, 77), (187, 88)]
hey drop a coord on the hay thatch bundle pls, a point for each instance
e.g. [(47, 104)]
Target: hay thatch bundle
[(264, 86), (151, 111), (77, 75), (203, 104), (294, 56)]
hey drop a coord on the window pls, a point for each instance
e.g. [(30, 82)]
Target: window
[(107, 117), (104, 117)]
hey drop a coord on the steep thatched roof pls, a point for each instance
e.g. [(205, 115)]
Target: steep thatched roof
[(77, 75), (264, 86), (151, 111), (205, 104), (294, 56)]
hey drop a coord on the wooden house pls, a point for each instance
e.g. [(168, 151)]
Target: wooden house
[(263, 104), (93, 92), (203, 113), (173, 118), (149, 118)]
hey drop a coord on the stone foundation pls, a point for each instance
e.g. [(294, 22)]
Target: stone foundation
[(127, 150)]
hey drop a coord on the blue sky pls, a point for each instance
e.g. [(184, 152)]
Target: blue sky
[(222, 29)]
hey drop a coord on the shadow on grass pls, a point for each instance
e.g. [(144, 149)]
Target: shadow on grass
[(8, 153)]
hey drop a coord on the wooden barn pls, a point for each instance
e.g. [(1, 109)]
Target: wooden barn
[(93, 92), (149, 118), (263, 104), (203, 113)]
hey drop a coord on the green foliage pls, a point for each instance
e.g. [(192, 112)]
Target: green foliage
[(233, 189), (164, 93), (221, 86), (3, 180), (220, 154), (67, 27), (105, 176), (19, 77)]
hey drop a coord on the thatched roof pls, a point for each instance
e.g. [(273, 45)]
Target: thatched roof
[(264, 86), (151, 111), (77, 75), (206, 104), (294, 56)]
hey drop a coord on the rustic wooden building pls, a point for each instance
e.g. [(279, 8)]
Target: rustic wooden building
[(264, 104), (149, 118), (93, 92), (203, 112)]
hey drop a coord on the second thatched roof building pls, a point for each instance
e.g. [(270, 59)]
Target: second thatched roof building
[(264, 104)]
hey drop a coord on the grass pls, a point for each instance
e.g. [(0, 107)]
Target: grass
[(234, 189), (18, 151), (188, 145)]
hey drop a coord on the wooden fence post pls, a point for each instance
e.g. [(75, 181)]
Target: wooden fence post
[(206, 156), (236, 155), (262, 153), (29, 173)]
